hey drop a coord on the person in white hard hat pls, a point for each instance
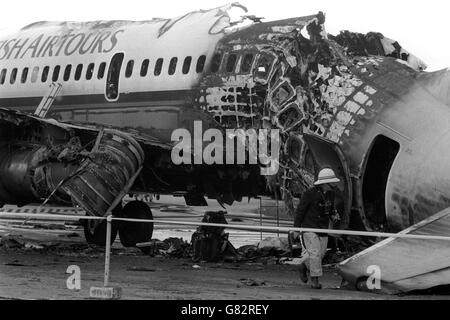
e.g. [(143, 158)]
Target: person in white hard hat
[(315, 211)]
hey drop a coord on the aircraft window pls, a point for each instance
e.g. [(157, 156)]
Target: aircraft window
[(56, 71), (262, 68), (90, 71), (113, 78), (187, 65), (231, 62), (78, 72), (158, 66), (3, 76), (101, 70), (129, 70), (276, 76), (67, 72), (282, 94), (200, 64), (173, 65), (12, 79), (24, 75), (144, 67), (247, 62), (215, 64), (44, 75), (35, 74)]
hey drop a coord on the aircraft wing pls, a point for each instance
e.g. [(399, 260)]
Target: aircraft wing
[(83, 164)]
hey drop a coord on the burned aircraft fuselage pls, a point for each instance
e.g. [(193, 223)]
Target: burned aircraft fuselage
[(359, 104), (378, 121)]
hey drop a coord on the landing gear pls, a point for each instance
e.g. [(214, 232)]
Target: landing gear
[(95, 231), (132, 233)]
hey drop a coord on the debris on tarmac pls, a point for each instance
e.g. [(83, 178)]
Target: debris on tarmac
[(254, 252), (280, 244), (71, 235), (14, 242), (8, 242), (292, 262), (31, 245), (252, 283), (143, 269), (170, 247)]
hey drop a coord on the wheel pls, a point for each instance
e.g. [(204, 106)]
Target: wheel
[(361, 284), (132, 233), (95, 231)]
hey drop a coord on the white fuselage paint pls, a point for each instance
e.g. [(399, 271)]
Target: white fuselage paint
[(31, 47)]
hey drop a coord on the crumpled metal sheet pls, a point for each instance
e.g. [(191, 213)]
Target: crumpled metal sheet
[(374, 43), (105, 173)]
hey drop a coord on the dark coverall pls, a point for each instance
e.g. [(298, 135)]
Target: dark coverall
[(314, 212)]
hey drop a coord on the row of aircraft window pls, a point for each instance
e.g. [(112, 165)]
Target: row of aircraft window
[(229, 66)]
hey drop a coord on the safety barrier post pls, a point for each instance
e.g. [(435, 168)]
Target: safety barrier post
[(106, 292), (278, 208), (260, 217), (107, 249)]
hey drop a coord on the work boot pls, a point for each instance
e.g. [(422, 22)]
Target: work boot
[(303, 273), (315, 283)]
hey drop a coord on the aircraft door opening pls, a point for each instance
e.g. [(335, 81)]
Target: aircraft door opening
[(112, 81), (375, 179)]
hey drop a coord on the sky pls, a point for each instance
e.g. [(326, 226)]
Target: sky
[(421, 27)]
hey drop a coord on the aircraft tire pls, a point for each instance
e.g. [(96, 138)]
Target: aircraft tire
[(98, 236), (132, 233), (361, 284)]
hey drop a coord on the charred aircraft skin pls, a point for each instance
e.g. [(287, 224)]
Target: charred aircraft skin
[(358, 103)]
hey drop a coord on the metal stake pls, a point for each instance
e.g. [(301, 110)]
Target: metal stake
[(260, 216), (278, 210), (108, 249)]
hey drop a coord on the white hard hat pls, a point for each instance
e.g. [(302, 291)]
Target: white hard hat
[(326, 176)]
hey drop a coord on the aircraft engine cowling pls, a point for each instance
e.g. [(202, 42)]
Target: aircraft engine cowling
[(104, 175), (67, 172)]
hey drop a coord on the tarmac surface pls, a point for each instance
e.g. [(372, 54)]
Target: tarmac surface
[(39, 269)]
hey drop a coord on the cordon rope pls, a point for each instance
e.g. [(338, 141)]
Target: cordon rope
[(229, 226)]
